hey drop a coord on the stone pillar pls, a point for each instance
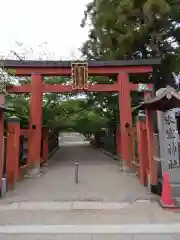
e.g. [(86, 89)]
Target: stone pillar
[(13, 151), (169, 144)]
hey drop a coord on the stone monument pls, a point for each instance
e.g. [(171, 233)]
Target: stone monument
[(169, 139)]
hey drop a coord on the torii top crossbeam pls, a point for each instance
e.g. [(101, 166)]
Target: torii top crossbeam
[(63, 68)]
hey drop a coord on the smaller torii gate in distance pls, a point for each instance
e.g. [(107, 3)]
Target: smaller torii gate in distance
[(38, 69)]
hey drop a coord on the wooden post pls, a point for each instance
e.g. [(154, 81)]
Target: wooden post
[(35, 124), (126, 142), (13, 148), (151, 147), (45, 144), (150, 140), (118, 142), (1, 145), (142, 148), (118, 139)]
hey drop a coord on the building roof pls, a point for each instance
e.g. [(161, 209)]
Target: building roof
[(169, 98), (166, 99)]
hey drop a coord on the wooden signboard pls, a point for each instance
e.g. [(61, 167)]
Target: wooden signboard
[(79, 73)]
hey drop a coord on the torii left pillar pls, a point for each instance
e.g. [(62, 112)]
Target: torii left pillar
[(125, 138), (35, 124)]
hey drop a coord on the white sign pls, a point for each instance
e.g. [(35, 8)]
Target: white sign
[(171, 139)]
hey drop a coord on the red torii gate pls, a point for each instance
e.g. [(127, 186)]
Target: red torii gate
[(38, 69)]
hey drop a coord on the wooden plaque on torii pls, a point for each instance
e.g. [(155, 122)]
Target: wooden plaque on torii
[(79, 74)]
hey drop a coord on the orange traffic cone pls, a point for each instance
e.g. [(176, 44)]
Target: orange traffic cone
[(166, 195)]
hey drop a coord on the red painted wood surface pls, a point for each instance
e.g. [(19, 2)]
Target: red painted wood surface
[(34, 143), (142, 151), (151, 143), (134, 136), (98, 71), (118, 142), (1, 143), (24, 132), (150, 140), (45, 137), (19, 89), (12, 154), (125, 118), (68, 88)]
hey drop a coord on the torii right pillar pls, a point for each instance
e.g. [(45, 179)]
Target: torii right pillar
[(126, 143)]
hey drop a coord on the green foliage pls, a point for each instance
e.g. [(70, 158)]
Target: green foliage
[(121, 28), (127, 29)]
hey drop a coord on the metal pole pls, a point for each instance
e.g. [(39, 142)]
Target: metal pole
[(76, 172)]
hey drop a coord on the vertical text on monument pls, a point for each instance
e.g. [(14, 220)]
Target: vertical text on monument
[(171, 139)]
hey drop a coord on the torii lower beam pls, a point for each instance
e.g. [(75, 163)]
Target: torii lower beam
[(91, 71), (68, 88)]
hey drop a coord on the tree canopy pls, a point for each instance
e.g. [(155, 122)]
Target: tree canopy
[(126, 29), (133, 29)]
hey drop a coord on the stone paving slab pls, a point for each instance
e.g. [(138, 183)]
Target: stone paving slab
[(63, 206), (138, 229), (49, 237), (137, 213), (77, 217), (94, 218), (99, 206), (89, 237)]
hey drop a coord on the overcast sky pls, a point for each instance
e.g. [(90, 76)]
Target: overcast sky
[(51, 26)]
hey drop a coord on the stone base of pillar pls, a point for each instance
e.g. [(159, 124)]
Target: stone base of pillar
[(33, 173)]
